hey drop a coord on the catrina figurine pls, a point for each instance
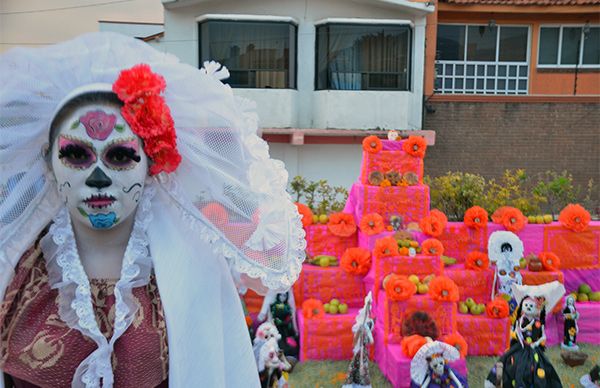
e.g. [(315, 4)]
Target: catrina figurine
[(571, 329), (280, 309)]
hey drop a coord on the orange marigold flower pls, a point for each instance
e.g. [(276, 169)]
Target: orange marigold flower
[(476, 217), (458, 342), (443, 288), (432, 247), (432, 225), (478, 261), (341, 224), (356, 261), (398, 287), (313, 308), (216, 213), (385, 183), (415, 146), (372, 224), (439, 215), (497, 308), (372, 144), (411, 344), (510, 217), (550, 261), (306, 213), (575, 218), (385, 247)]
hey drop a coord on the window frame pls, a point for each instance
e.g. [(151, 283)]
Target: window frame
[(200, 20), (560, 26), (366, 23), (496, 62)]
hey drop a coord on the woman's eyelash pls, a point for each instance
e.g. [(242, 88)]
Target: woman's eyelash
[(126, 151), (72, 150)]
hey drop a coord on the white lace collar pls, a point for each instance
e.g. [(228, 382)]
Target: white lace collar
[(66, 274)]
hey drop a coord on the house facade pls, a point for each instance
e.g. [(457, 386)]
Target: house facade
[(323, 73), (514, 84)]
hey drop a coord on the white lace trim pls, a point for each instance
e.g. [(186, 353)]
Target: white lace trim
[(66, 273)]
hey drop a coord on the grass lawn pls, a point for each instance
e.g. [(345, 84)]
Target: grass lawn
[(332, 373)]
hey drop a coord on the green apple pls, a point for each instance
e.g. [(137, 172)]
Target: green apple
[(326, 307), (473, 309), (583, 297), (343, 308), (480, 308), (585, 289), (463, 308), (334, 302), (595, 296), (333, 308), (470, 302), (324, 261)]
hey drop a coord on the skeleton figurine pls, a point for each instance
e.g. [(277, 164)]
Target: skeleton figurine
[(264, 333), (272, 366), (429, 367), (505, 249), (280, 309)]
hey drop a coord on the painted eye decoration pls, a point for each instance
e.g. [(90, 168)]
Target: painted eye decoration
[(502, 272), (121, 155), (75, 154)]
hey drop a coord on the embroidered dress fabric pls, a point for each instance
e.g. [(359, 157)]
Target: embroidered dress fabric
[(256, 240)]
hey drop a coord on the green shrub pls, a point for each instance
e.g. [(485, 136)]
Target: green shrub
[(319, 196), (455, 192)]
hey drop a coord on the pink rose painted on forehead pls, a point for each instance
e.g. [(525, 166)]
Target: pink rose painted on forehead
[(98, 125)]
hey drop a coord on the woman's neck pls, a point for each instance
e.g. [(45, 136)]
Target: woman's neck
[(101, 251)]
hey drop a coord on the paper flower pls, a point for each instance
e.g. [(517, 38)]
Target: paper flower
[(306, 213), (575, 218), (313, 308), (216, 213), (476, 217), (458, 342), (510, 217), (372, 144), (415, 146), (371, 224), (385, 247), (411, 344), (434, 224), (477, 261), (444, 289), (356, 261), (497, 308), (398, 287), (341, 224), (550, 261), (432, 247)]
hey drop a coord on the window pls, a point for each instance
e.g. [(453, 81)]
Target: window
[(257, 54), (569, 46), (482, 59), (363, 57)]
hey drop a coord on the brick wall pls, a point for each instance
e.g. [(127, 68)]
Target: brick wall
[(489, 137)]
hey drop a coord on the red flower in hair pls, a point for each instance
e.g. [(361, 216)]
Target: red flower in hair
[(415, 146), (476, 217), (477, 261), (149, 116)]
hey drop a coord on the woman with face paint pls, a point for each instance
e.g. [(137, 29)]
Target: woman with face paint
[(137, 200), (524, 364)]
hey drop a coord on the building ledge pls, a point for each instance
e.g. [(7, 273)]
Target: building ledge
[(300, 136), (515, 99)]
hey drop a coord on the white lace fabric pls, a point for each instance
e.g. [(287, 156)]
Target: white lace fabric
[(67, 275)]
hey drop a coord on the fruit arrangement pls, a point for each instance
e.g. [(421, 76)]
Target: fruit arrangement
[(422, 285), (320, 219), (585, 294), (335, 307), (324, 261), (469, 306), (407, 245), (534, 263), (539, 219), (448, 260)]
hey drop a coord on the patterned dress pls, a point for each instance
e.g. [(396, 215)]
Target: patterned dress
[(38, 349)]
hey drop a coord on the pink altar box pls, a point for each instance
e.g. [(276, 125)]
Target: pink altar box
[(485, 336), (459, 240), (368, 242), (319, 241), (391, 157), (327, 338), (410, 202), (393, 313), (420, 265), (397, 366), (326, 283), (588, 323), (471, 284)]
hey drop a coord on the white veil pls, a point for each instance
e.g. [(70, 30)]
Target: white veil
[(227, 198)]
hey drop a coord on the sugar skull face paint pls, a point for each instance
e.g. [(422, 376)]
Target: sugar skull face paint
[(99, 165)]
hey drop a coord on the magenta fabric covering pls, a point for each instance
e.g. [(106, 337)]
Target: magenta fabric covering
[(574, 277), (368, 242)]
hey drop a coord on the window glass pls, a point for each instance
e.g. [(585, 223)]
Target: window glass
[(549, 45), (257, 54), (359, 57), (591, 47), (481, 43), (513, 44), (571, 39), (450, 42)]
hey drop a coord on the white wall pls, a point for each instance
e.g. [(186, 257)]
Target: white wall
[(310, 108)]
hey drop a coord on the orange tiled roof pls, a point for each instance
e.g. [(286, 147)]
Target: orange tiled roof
[(524, 2)]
